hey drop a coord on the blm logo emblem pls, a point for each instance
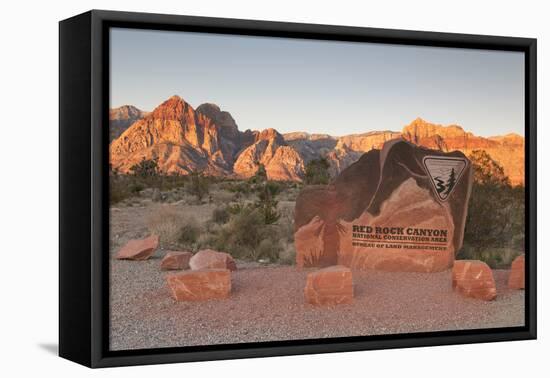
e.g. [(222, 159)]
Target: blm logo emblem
[(444, 173)]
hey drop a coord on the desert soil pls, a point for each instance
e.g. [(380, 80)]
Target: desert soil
[(267, 302)]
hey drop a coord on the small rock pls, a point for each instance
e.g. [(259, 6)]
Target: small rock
[(139, 249), (329, 286), (516, 280), (474, 278), (175, 260), (200, 285), (210, 259)]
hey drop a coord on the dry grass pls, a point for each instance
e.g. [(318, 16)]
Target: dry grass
[(220, 196), (287, 255), (217, 222), (172, 226)]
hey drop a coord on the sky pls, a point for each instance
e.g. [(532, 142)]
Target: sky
[(330, 87)]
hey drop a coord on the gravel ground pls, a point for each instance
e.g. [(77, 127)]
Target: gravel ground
[(267, 303)]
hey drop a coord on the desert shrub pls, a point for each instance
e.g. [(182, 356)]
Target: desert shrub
[(496, 258), (317, 172), (135, 187), (241, 235), (496, 214), (260, 175), (173, 227), (286, 229), (118, 191), (124, 186), (206, 240), (220, 215), (242, 187), (287, 254), (226, 185), (268, 249), (289, 194), (198, 185), (145, 168), (166, 223), (273, 187), (235, 208), (240, 229), (247, 237), (222, 196), (189, 232), (165, 182), (261, 172), (266, 203)]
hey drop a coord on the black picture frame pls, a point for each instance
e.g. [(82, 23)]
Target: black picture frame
[(83, 181)]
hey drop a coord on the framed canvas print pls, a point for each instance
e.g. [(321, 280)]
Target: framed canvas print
[(234, 188)]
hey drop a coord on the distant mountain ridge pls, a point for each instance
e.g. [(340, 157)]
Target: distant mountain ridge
[(121, 118), (508, 150), (208, 139)]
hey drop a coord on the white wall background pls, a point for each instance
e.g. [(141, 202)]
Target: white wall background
[(29, 186)]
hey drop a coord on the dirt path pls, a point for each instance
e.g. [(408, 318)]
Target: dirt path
[(267, 303)]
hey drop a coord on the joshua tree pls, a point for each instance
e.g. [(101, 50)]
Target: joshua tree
[(199, 184), (267, 204), (145, 168)]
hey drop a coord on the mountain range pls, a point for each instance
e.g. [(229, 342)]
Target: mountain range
[(184, 139), (121, 118)]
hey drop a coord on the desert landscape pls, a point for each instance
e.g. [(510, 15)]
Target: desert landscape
[(221, 236)]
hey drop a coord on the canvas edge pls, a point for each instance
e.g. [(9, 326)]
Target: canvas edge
[(95, 354)]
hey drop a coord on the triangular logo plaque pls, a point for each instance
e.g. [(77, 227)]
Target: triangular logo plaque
[(444, 173)]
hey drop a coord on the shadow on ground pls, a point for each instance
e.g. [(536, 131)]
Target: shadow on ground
[(50, 348)]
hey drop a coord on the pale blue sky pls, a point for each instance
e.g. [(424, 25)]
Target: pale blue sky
[(328, 87)]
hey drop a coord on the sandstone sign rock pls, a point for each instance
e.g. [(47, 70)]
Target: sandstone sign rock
[(329, 286), (200, 285), (401, 208), (210, 259), (474, 278), (175, 260), (516, 280), (138, 249)]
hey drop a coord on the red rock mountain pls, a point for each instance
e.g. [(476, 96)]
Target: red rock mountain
[(184, 139), (181, 138), (121, 118), (206, 139), (269, 148), (507, 150)]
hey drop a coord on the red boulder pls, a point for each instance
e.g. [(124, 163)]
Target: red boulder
[(176, 260), (210, 259), (329, 286), (139, 249), (516, 280), (200, 285), (473, 278)]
